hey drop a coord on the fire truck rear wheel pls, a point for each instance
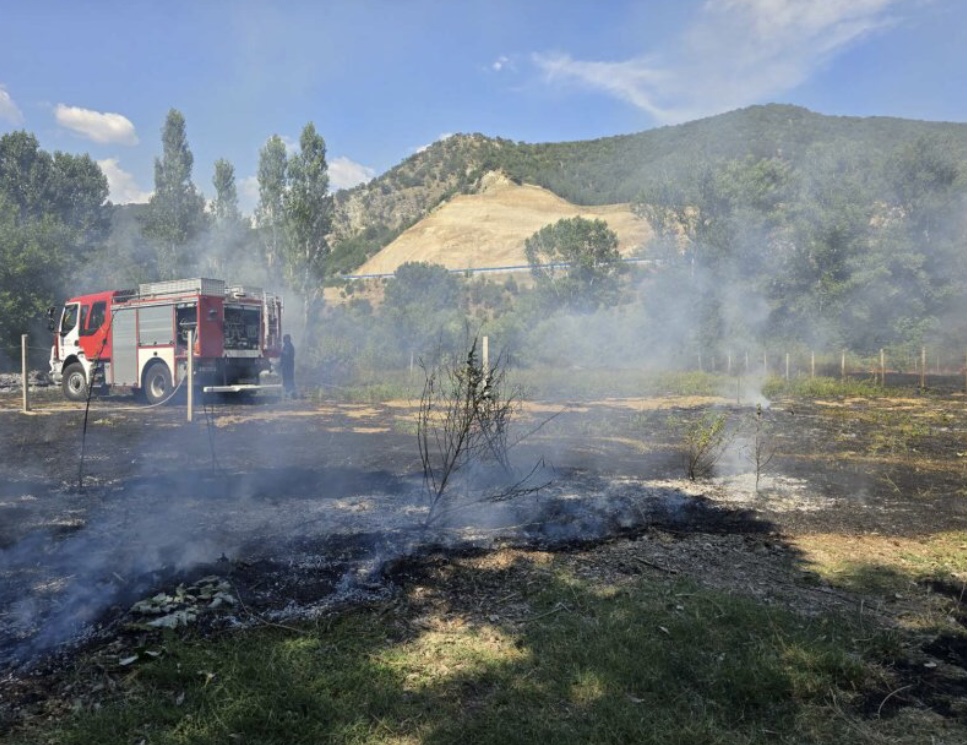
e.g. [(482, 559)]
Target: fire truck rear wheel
[(157, 383), (75, 382)]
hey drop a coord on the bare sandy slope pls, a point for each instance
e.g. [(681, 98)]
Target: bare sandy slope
[(489, 229)]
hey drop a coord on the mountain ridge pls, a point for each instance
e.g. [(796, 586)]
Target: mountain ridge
[(614, 169)]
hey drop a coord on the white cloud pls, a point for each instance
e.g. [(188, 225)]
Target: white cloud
[(345, 173), (737, 52), (503, 62), (123, 188), (9, 111), (95, 125)]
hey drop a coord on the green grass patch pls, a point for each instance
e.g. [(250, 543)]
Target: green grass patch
[(373, 391), (544, 383), (823, 387), (591, 384), (647, 662)]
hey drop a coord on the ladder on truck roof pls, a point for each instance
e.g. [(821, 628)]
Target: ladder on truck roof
[(200, 286)]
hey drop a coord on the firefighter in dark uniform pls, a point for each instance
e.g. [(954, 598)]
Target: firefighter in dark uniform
[(287, 367)]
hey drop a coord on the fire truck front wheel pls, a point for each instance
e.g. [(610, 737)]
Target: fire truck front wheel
[(75, 382), (157, 383)]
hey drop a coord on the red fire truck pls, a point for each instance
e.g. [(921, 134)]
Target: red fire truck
[(138, 339)]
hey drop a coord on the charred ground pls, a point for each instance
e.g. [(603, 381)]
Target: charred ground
[(303, 508)]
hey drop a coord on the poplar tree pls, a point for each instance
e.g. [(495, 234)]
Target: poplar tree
[(294, 216), (308, 220), (225, 205), (229, 239), (270, 213), (176, 211)]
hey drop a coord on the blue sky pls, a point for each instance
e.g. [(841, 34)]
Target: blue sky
[(381, 79)]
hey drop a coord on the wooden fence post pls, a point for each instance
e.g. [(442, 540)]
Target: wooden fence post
[(923, 368), (23, 372), (191, 374)]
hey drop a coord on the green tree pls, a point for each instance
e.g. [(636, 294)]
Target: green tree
[(52, 215), (229, 237), (308, 220), (25, 176), (422, 302), (270, 213), (78, 193), (576, 262), (33, 261), (176, 211), (910, 283), (830, 217), (722, 231), (225, 205)]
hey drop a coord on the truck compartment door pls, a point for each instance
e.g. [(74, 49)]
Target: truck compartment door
[(125, 359)]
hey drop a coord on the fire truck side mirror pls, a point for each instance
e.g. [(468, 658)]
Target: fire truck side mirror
[(51, 323)]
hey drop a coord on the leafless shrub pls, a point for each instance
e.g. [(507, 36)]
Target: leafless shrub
[(464, 424), (760, 450)]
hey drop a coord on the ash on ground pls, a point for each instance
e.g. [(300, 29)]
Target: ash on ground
[(304, 507)]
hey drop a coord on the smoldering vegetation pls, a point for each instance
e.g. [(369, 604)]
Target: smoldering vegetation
[(301, 514)]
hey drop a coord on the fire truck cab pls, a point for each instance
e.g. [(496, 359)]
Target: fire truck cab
[(138, 339)]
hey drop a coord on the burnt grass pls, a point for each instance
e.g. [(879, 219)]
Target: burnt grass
[(306, 508)]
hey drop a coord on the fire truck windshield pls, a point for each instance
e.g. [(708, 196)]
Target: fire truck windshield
[(69, 319)]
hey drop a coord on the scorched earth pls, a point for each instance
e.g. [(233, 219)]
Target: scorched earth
[(273, 511)]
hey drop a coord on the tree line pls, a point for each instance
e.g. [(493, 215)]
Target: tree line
[(824, 256), (52, 217), (60, 236), (824, 243), (750, 254)]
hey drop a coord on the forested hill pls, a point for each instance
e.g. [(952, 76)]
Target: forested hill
[(619, 169)]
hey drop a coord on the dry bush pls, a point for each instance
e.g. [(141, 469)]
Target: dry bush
[(760, 450), (464, 426)]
